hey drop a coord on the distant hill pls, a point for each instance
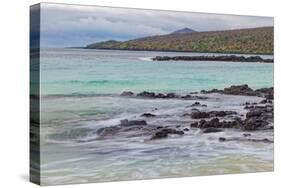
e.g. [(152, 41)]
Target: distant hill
[(104, 44), (184, 30), (254, 40)]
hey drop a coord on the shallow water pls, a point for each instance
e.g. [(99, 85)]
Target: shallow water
[(70, 71), (80, 93)]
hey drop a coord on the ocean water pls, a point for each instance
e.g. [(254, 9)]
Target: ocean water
[(77, 71), (80, 93)]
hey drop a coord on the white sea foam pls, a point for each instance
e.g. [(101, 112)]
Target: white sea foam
[(145, 58)]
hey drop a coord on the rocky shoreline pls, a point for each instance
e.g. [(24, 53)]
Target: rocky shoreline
[(230, 58), (244, 89), (258, 116)]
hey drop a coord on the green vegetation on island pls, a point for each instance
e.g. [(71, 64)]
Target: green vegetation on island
[(253, 40)]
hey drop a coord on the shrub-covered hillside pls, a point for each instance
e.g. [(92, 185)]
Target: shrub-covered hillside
[(254, 40)]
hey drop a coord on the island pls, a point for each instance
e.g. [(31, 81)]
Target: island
[(242, 41), (232, 58)]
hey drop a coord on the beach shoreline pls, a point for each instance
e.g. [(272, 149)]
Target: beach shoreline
[(258, 115), (186, 133), (89, 127)]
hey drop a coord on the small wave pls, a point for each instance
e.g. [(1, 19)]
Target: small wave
[(89, 82), (81, 82), (145, 58), (77, 95), (68, 136), (86, 132), (96, 82)]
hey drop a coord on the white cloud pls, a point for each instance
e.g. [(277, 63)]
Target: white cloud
[(75, 25)]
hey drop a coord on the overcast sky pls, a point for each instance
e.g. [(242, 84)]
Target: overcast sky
[(74, 25)]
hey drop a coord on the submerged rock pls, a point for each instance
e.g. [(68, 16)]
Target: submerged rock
[(268, 93), (146, 94), (199, 115), (186, 97), (254, 113), (163, 133), (257, 118), (160, 95), (216, 123), (212, 130), (222, 139), (127, 93), (148, 115), (213, 123), (171, 95), (246, 134), (263, 101), (106, 131), (252, 124), (194, 124), (243, 90), (212, 91), (239, 90), (152, 95), (186, 114), (249, 124), (200, 97), (159, 135), (126, 122), (221, 113), (265, 140), (197, 104)]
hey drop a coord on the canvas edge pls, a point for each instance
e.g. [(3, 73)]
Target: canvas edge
[(34, 95)]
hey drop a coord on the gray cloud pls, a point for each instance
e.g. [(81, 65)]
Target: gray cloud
[(74, 25)]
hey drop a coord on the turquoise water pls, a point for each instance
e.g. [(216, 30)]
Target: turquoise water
[(77, 71), (80, 93)]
